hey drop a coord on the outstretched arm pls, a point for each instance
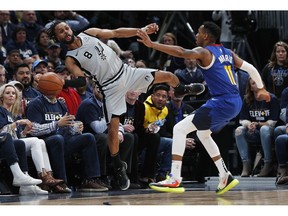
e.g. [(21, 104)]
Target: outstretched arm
[(121, 32), (202, 55), (262, 94)]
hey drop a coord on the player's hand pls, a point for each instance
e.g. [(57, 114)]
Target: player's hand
[(144, 38), (151, 28), (263, 94)]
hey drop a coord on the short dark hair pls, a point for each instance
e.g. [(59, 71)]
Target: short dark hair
[(212, 29), (161, 87), (20, 65)]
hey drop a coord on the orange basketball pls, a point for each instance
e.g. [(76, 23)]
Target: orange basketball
[(50, 83)]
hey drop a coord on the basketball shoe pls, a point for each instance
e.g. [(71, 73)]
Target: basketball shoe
[(121, 177), (191, 89), (226, 183), (169, 185)]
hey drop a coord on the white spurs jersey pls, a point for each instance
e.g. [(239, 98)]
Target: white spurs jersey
[(96, 59)]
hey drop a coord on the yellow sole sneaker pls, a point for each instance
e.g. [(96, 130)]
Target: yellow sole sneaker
[(168, 189), (231, 185)]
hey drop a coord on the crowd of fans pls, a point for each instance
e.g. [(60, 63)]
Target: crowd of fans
[(145, 132)]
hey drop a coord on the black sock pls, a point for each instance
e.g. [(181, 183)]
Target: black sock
[(116, 161)]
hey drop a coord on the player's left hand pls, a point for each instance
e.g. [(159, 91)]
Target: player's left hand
[(263, 94)]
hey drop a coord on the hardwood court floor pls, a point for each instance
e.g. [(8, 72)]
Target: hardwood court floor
[(250, 191)]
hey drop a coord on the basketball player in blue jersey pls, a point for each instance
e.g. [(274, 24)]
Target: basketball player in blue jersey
[(87, 55), (217, 64)]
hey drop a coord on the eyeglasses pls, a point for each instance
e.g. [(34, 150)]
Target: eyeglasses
[(2, 75)]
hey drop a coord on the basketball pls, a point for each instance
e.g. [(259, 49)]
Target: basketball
[(50, 83)]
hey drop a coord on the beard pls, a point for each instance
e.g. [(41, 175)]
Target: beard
[(70, 41)]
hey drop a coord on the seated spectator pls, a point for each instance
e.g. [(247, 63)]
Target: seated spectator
[(132, 122), (282, 156), (14, 153), (257, 122), (19, 128), (156, 111), (50, 117), (23, 75), (3, 73), (71, 97)]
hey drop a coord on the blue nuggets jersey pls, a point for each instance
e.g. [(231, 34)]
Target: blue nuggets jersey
[(220, 75), (226, 102)]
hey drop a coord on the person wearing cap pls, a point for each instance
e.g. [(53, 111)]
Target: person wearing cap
[(39, 66), (54, 53), (71, 97), (17, 84)]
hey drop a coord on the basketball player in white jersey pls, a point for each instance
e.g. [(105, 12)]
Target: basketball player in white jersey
[(87, 55)]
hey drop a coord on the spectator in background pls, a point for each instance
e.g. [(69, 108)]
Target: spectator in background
[(6, 26), (275, 72), (167, 62), (76, 21), (54, 53), (13, 59), (24, 75), (19, 41), (192, 74), (14, 152), (281, 150), (53, 120), (133, 122), (29, 22), (12, 123), (3, 52), (257, 123), (226, 36), (51, 66), (29, 61), (42, 42), (69, 94), (3, 79)]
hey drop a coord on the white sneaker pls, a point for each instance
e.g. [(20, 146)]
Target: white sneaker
[(25, 181), (32, 190), (226, 183)]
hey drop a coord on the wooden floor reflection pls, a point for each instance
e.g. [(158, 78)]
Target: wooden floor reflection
[(250, 191)]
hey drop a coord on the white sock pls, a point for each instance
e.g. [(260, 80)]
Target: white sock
[(16, 171), (176, 169), (220, 164)]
